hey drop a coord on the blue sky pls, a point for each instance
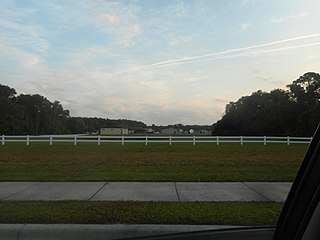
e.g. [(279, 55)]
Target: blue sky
[(156, 61)]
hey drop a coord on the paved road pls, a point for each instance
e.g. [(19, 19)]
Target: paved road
[(145, 191), (94, 231)]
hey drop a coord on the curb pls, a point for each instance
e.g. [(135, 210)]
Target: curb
[(94, 231)]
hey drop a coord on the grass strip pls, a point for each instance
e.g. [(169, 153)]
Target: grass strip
[(155, 162), (106, 212)]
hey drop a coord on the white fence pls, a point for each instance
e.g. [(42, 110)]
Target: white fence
[(75, 139)]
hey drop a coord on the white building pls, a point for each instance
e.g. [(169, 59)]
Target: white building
[(114, 131)]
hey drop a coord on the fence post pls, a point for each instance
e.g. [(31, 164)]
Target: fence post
[(27, 140), (50, 140), (99, 140), (217, 140), (264, 140), (194, 140), (146, 140), (170, 140), (241, 140), (75, 140), (288, 140), (122, 140), (2, 140)]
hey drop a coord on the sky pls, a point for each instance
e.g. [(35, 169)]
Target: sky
[(160, 62)]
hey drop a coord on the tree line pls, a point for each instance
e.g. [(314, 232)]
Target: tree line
[(30, 114), (294, 111), (36, 115)]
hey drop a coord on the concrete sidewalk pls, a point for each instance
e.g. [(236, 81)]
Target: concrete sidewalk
[(145, 191)]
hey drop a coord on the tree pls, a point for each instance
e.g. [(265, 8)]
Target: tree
[(280, 112), (306, 89), (7, 102), (35, 114), (261, 113)]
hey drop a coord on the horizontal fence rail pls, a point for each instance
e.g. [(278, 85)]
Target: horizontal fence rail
[(75, 139)]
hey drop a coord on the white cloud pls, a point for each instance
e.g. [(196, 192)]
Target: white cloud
[(23, 34), (311, 57), (245, 26), (29, 68), (117, 20), (177, 40), (253, 50), (178, 9), (150, 82), (245, 2), (201, 7), (151, 95), (107, 18), (283, 19)]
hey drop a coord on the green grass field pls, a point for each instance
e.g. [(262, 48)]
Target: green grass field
[(155, 162), (234, 213)]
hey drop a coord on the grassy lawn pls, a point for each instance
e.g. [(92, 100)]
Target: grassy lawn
[(155, 162), (234, 213)]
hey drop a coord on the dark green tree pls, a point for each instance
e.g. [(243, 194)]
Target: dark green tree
[(7, 108), (305, 92), (306, 89), (275, 113)]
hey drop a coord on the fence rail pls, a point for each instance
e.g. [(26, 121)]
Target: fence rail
[(75, 139)]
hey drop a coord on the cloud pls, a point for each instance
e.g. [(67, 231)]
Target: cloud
[(201, 7), (107, 18), (23, 34), (283, 19), (193, 79), (245, 26), (199, 110), (29, 68), (80, 56), (265, 77), (178, 9), (253, 50), (245, 2), (311, 57), (118, 20), (177, 40)]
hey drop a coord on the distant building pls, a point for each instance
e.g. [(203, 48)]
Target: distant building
[(140, 131), (150, 131), (179, 131), (204, 131), (168, 131), (114, 131)]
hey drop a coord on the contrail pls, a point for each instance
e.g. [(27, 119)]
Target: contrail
[(210, 56), (243, 54)]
